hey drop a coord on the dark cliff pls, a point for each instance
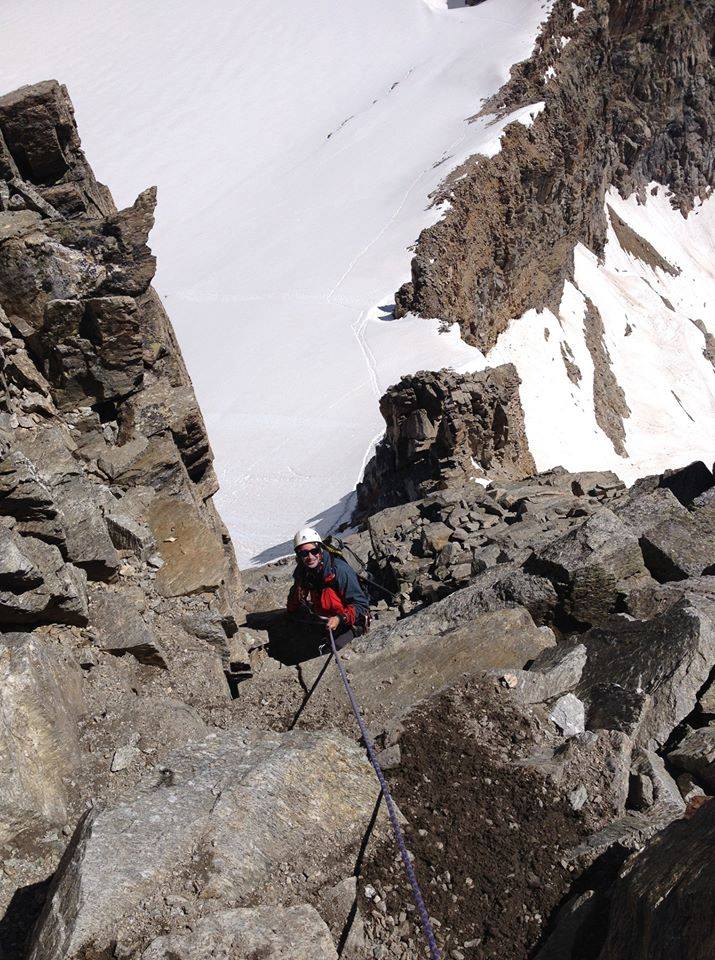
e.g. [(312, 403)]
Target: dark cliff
[(631, 101)]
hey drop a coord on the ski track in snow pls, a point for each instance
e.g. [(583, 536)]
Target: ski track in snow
[(290, 191)]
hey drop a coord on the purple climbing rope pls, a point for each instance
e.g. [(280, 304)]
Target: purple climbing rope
[(391, 811)]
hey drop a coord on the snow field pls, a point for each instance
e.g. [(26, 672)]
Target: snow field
[(669, 385), (294, 146)]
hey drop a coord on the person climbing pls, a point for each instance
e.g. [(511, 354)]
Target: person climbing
[(326, 592)]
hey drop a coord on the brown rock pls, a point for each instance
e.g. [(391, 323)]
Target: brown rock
[(662, 902), (37, 126), (193, 554), (613, 117), (446, 427)]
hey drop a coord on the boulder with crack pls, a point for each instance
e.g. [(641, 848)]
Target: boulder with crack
[(242, 816), (644, 677), (37, 586), (40, 707), (591, 566), (119, 629), (661, 903)]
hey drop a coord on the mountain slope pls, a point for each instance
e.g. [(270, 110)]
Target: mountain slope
[(583, 251), (294, 147)]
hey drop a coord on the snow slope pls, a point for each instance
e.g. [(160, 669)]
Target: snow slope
[(294, 146), (653, 325)]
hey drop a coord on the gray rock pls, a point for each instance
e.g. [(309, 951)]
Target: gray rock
[(210, 625), (33, 200), (271, 933), (16, 223), (390, 757), (569, 715), (240, 804), (124, 757), (129, 534), (40, 707), (644, 677), (689, 482), (88, 544), (555, 671), (629, 831), (595, 762), (643, 511), (651, 782), (116, 461), (676, 549), (431, 650), (119, 629), (24, 496), (652, 598), (17, 572), (60, 597), (661, 905), (590, 565), (696, 754)]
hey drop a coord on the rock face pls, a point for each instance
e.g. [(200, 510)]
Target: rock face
[(238, 817), (662, 900), (272, 933), (40, 705), (444, 427), (645, 677), (41, 148), (110, 547), (631, 103)]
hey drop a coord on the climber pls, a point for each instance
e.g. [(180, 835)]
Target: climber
[(326, 592)]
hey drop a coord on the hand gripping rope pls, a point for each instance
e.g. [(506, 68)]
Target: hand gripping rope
[(391, 811)]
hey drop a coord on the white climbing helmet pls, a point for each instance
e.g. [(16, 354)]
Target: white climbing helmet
[(306, 535)]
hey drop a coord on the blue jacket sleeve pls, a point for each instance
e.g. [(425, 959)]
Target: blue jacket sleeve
[(349, 588)]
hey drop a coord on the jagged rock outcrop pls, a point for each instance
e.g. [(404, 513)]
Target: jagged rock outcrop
[(443, 427), (631, 102), (112, 556)]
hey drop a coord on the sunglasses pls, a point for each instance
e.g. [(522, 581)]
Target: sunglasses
[(308, 553)]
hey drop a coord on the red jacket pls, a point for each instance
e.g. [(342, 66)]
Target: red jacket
[(332, 591)]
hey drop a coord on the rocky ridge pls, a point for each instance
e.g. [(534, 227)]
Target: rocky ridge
[(550, 637), (443, 427), (627, 88)]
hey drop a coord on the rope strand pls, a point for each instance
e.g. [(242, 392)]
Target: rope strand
[(391, 810)]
